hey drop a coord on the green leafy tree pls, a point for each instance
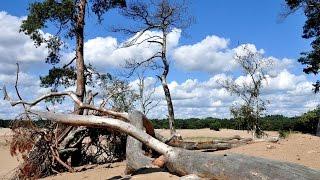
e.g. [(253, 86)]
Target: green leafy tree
[(309, 122), (68, 18), (254, 66), (311, 30)]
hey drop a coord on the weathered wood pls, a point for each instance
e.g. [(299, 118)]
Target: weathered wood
[(222, 144), (70, 137), (184, 162), (235, 166), (103, 122), (200, 145), (160, 137), (135, 156)]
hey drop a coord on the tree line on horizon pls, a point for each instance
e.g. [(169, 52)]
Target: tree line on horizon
[(305, 123)]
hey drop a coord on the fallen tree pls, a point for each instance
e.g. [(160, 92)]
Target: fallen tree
[(70, 146), (221, 144), (135, 155), (184, 162), (177, 160)]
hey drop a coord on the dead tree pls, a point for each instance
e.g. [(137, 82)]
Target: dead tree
[(162, 16), (184, 162), (146, 93), (176, 160), (254, 68)]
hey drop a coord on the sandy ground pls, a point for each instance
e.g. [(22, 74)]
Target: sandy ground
[(298, 148), (7, 162)]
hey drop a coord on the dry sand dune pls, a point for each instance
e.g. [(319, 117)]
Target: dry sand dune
[(298, 148), (7, 162)]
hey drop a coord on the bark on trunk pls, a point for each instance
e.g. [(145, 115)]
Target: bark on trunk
[(141, 93), (212, 145), (80, 84), (184, 162), (164, 83), (236, 166), (135, 156), (169, 104)]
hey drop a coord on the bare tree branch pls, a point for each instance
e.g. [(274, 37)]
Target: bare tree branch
[(75, 98), (72, 60)]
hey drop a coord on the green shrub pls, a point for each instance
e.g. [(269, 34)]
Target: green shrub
[(215, 126), (283, 133)]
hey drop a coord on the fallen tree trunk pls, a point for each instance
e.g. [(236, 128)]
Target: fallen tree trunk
[(235, 166), (184, 162), (135, 156), (200, 145), (222, 144)]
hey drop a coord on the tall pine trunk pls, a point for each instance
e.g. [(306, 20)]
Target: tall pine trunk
[(80, 84)]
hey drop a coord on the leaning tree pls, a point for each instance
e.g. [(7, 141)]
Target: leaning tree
[(254, 66), (311, 30), (162, 17)]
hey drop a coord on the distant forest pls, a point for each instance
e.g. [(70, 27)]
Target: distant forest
[(306, 123)]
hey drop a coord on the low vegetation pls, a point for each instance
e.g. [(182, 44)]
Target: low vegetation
[(306, 123)]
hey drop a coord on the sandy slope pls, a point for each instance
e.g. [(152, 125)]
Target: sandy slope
[(7, 162), (299, 148)]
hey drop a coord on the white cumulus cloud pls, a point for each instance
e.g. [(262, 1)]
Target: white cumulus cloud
[(210, 55)]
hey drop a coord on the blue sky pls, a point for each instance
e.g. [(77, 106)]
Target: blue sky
[(220, 21)]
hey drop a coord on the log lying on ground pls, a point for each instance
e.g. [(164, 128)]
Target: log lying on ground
[(222, 144), (184, 162), (135, 156), (200, 145)]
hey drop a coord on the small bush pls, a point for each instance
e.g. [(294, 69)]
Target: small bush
[(215, 126), (283, 133)]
